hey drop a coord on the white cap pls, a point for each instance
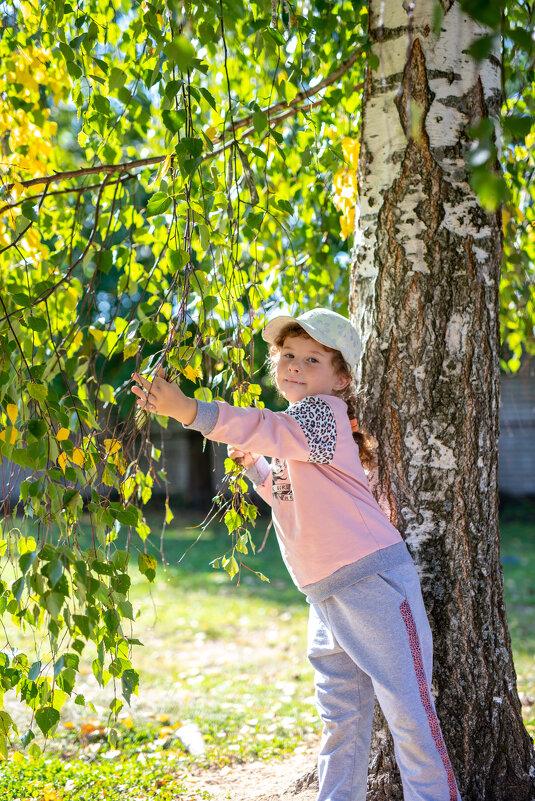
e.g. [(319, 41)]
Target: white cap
[(326, 327)]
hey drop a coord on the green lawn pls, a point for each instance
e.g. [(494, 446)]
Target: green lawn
[(230, 659)]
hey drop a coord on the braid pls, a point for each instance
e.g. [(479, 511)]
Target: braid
[(349, 394), (365, 441)]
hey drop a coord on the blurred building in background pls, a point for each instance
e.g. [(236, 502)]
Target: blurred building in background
[(516, 464)]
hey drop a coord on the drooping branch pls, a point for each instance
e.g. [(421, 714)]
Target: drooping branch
[(294, 106)]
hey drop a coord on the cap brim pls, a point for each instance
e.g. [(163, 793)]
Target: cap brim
[(273, 328)]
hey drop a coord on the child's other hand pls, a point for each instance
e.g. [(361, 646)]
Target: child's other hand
[(245, 458), (162, 397)]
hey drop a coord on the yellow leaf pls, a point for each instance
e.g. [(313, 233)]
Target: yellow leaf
[(17, 190), (17, 757), (112, 446), (62, 460), (13, 434), (168, 513), (78, 457), (12, 411), (192, 373), (62, 434), (166, 165)]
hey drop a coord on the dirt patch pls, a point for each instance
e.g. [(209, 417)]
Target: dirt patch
[(262, 781)]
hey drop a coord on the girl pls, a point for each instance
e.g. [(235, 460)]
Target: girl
[(368, 630)]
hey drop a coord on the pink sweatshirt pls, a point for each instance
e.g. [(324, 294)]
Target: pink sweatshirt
[(324, 513)]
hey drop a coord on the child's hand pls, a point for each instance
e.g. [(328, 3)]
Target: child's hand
[(162, 397), (246, 458)]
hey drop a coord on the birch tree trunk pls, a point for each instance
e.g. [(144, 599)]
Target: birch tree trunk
[(424, 294)]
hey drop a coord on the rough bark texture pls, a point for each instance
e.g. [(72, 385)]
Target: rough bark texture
[(424, 294)]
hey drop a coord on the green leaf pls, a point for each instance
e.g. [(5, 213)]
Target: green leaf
[(21, 299), (230, 566), (38, 392), (112, 620), (174, 120), (117, 78), (29, 210), (55, 572), (129, 516), (147, 565), (54, 602), (82, 621), (233, 520), (58, 666), (518, 126), (180, 52), (482, 11), (37, 324), (171, 91), (46, 718), (153, 332), (34, 671), (37, 428), (27, 737), (129, 683), (260, 121), (482, 47), (74, 70), (190, 144), (373, 61), (286, 206), (120, 559), (204, 236), (177, 258), (66, 51), (204, 394), (115, 706), (158, 204), (208, 96), (101, 104)]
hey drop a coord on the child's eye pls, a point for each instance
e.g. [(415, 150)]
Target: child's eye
[(288, 356), (312, 359)]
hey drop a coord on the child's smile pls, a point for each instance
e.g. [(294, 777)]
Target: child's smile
[(305, 368)]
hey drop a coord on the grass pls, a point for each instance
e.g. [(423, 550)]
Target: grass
[(229, 659)]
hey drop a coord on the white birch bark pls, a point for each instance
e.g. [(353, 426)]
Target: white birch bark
[(424, 294)]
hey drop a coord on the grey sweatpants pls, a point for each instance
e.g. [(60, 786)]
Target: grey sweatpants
[(373, 637)]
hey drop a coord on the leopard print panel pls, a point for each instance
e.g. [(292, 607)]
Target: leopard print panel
[(434, 725), (316, 418)]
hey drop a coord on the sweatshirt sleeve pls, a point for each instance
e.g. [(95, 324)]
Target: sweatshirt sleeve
[(306, 431), (260, 475)]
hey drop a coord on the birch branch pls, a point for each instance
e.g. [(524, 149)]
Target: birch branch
[(293, 107)]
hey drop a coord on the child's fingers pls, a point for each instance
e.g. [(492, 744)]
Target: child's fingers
[(143, 396), (162, 373), (142, 381)]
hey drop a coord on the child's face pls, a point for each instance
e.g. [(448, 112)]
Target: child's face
[(305, 368)]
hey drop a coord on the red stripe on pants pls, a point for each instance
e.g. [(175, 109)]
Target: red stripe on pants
[(434, 725)]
